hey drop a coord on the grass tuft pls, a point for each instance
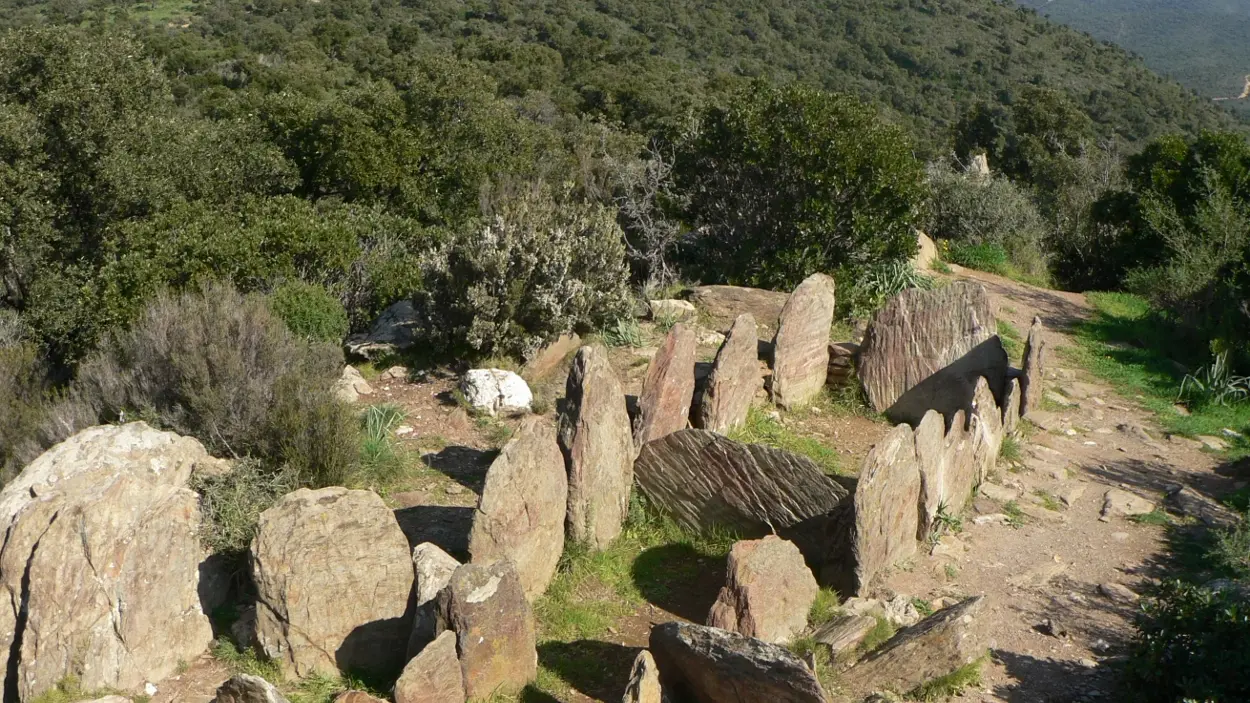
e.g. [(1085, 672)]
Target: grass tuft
[(824, 608), (759, 428), (1010, 450), (1155, 517), (878, 635), (950, 685), (1015, 516), (1048, 501), (1011, 339)]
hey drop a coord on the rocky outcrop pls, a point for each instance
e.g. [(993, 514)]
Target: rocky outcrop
[(598, 445), (394, 331), (801, 347), (644, 681), (521, 514), (100, 568), (333, 578), (936, 646), (486, 607), (925, 349), (668, 389), (709, 665), (734, 380), (704, 479), (245, 688), (1033, 379), (723, 304), (768, 591), (496, 392), (433, 675), (433, 568)]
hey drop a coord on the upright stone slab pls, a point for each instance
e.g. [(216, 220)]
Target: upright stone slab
[(1033, 380), (333, 579), (598, 445), (245, 688), (668, 389), (768, 591), (709, 665), (801, 348), (1011, 407), (495, 642), (936, 646), (704, 479), (644, 681), (433, 568), (521, 514), (433, 675), (931, 459), (986, 427), (734, 380), (925, 349)]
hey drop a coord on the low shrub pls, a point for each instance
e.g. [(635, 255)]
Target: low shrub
[(232, 503), (23, 407), (309, 311), (864, 289)]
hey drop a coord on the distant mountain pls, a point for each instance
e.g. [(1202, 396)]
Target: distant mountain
[(1204, 44)]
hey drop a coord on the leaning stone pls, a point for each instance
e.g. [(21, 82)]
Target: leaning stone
[(734, 379), (987, 429), (926, 253), (495, 391), (549, 358), (801, 348), (768, 591), (668, 389), (521, 514), (845, 632), (333, 578), (1033, 379), (1116, 502), (433, 568), (394, 331), (433, 675), (598, 445), (644, 681), (704, 479), (486, 607), (1011, 407), (706, 664), (245, 688), (931, 459), (672, 310), (1191, 503), (936, 646)]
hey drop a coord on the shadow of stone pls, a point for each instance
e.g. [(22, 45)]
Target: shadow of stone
[(447, 526), (598, 670), (531, 694), (951, 388), (464, 465), (679, 579), (825, 541), (1049, 680), (375, 652)]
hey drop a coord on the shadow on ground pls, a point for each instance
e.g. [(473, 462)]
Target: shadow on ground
[(464, 465), (679, 579), (598, 670), (447, 526), (1029, 672)]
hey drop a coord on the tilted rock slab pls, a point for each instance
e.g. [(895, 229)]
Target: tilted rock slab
[(924, 350), (668, 389), (986, 426), (768, 591), (936, 646), (495, 639), (734, 379), (1033, 380), (333, 578), (948, 468), (801, 347), (245, 688), (433, 568), (433, 676), (709, 665), (598, 445), (524, 501), (1011, 407), (702, 479), (644, 681), (101, 559)]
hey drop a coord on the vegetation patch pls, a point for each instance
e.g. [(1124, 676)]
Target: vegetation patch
[(760, 428), (950, 685)]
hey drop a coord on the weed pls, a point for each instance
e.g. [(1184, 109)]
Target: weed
[(1048, 501), (922, 606), (1154, 517), (625, 332), (232, 503), (951, 571), (952, 684), (664, 323), (1215, 384), (541, 405), (941, 267), (760, 428), (878, 635), (947, 522), (825, 671), (1015, 516), (1010, 450), (1231, 551), (496, 433), (69, 689), (1013, 343), (824, 608), (432, 443)]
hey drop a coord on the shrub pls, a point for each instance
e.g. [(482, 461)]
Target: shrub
[(23, 407), (862, 290), (232, 503), (537, 269), (309, 311)]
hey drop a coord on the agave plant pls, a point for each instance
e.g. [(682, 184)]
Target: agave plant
[(1215, 384)]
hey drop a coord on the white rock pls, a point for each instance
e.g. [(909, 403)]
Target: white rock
[(673, 310), (496, 391)]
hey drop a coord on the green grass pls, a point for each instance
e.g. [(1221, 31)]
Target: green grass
[(1048, 501), (625, 332), (1154, 517), (826, 670), (1015, 516), (318, 688), (496, 433), (824, 608), (1011, 339), (68, 690), (952, 684), (759, 428), (878, 635), (922, 606), (1010, 450)]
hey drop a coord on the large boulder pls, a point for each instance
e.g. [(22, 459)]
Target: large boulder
[(598, 445), (710, 665), (101, 564), (925, 349), (393, 331), (723, 304), (734, 380), (1033, 379), (245, 688), (668, 389), (333, 578), (936, 646), (644, 681), (433, 675), (433, 568), (704, 479), (495, 391), (768, 591), (801, 348), (495, 639), (524, 501)]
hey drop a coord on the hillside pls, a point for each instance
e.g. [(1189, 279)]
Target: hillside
[(1200, 43), (644, 63)]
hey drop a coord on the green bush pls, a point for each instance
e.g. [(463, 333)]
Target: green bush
[(537, 269), (982, 257), (310, 311), (23, 407), (232, 503)]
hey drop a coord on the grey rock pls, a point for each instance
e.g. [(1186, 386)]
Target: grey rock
[(245, 688), (734, 380), (644, 681), (845, 632), (768, 591), (433, 675), (936, 646), (393, 331), (495, 638), (801, 347), (709, 665), (668, 389), (1033, 379), (433, 568)]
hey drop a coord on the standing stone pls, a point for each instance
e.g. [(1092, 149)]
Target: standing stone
[(433, 676), (886, 513), (245, 688), (936, 646), (668, 389), (521, 514), (926, 253), (709, 665), (495, 641), (924, 350), (735, 379), (644, 681), (931, 458), (704, 479), (801, 348), (1011, 407), (333, 577), (433, 568), (100, 567), (1032, 382), (987, 430), (598, 446), (768, 591)]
